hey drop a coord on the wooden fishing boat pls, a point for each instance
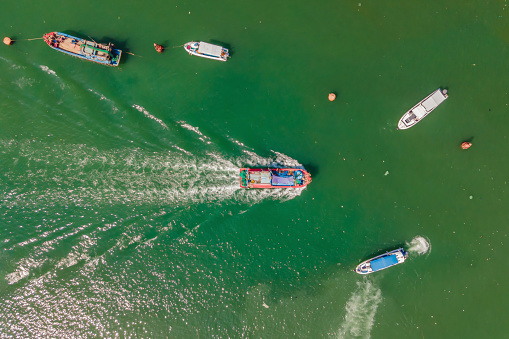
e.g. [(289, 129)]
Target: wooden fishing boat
[(422, 109), (206, 50), (104, 54), (273, 177), (382, 262)]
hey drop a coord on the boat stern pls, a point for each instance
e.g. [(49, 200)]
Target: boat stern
[(243, 177), (115, 61)]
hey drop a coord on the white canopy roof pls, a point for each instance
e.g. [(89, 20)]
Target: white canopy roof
[(419, 111), (433, 101), (210, 49)]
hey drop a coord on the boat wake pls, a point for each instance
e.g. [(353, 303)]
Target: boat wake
[(360, 311), (80, 175), (150, 116), (169, 190), (48, 70), (419, 245), (279, 160)]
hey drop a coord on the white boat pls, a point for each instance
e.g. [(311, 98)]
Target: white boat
[(206, 50), (423, 108), (382, 262)]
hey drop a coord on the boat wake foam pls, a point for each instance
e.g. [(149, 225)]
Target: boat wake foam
[(150, 116), (196, 130), (360, 311), (419, 245), (278, 160), (48, 70), (85, 176)]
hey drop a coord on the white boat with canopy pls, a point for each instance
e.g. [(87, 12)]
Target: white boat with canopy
[(423, 108), (206, 50)]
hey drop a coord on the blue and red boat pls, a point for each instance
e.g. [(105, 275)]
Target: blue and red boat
[(273, 178), (104, 54)]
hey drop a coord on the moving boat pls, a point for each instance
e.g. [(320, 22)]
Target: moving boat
[(206, 50), (273, 178), (104, 54), (423, 108), (382, 262)]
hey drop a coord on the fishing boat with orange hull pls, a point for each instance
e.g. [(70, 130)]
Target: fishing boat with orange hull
[(273, 178), (104, 54)]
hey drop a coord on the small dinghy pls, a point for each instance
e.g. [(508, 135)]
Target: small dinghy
[(206, 50), (423, 108), (382, 262), (104, 54), (273, 178)]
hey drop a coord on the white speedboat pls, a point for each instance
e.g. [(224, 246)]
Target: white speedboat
[(382, 262), (206, 50), (423, 108)]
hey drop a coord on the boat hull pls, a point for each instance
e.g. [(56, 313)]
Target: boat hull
[(273, 178), (193, 48), (422, 109), (382, 262), (103, 54)]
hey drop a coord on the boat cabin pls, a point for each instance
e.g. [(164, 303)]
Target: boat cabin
[(259, 177), (284, 177), (433, 101), (209, 49), (100, 54), (384, 262)]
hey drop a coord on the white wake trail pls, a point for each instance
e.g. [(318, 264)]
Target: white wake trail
[(360, 311), (83, 176)]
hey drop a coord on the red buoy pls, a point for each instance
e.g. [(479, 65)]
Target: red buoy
[(159, 48), (332, 96), (7, 41), (466, 145)]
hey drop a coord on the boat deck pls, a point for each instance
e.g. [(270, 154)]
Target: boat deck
[(104, 54), (273, 178), (74, 46), (68, 45)]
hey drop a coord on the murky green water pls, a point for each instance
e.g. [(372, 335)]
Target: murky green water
[(120, 208)]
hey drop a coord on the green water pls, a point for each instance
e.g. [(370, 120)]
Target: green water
[(120, 208)]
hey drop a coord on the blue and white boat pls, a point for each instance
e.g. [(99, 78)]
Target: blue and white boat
[(206, 50), (382, 262), (104, 54)]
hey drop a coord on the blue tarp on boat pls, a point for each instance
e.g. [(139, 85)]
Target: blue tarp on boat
[(283, 181), (384, 262)]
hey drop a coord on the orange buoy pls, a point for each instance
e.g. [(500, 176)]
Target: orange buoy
[(159, 48), (7, 41), (332, 96), (466, 145)]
